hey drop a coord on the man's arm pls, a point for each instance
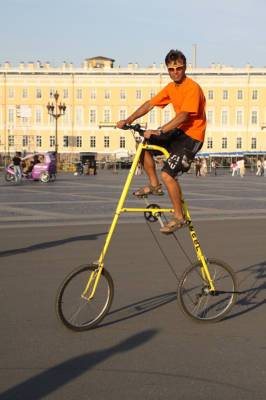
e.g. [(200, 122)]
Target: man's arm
[(174, 123), (142, 110), (179, 119)]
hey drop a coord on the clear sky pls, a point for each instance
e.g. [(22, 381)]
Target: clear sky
[(231, 32)]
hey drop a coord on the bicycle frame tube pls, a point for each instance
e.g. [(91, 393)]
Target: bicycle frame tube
[(120, 209), (204, 271)]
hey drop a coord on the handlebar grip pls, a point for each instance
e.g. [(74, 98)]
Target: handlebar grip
[(136, 128)]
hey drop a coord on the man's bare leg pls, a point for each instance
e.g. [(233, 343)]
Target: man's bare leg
[(149, 168), (174, 192)]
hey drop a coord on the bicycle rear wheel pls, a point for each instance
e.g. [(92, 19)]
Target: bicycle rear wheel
[(195, 297), (78, 313)]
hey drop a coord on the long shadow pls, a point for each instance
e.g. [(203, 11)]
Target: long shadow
[(251, 289), (136, 309), (251, 295), (48, 381), (47, 245)]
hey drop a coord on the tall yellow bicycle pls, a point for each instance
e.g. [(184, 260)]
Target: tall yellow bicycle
[(206, 291)]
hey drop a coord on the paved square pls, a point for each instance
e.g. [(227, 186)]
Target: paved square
[(145, 348)]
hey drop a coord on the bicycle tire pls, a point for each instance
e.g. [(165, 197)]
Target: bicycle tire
[(83, 314), (9, 177), (195, 298)]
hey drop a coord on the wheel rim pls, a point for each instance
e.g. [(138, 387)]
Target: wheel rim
[(77, 312), (197, 300), (45, 177)]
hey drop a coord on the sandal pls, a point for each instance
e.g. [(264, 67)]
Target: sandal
[(148, 190), (174, 225)]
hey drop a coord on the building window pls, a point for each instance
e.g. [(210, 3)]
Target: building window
[(38, 94), (65, 93), (225, 94), (240, 95), (210, 95), (92, 116), (224, 117), (122, 142), (254, 94), (79, 141), (122, 114), (65, 117), (123, 94), (79, 93), (38, 116), (52, 141), (93, 141), (65, 141), (166, 116), (152, 117), (239, 143), (25, 141), (209, 143), (24, 93), (152, 93), (11, 140), (51, 119), (254, 118), (239, 117), (106, 141), (253, 143), (11, 92), (138, 94), (210, 117), (38, 141), (11, 115), (107, 94), (107, 115), (224, 143), (79, 115), (93, 94)]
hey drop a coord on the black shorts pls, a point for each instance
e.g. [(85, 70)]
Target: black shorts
[(182, 149)]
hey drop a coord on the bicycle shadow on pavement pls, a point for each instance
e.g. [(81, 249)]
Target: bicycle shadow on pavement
[(136, 309), (47, 245), (52, 379), (251, 289)]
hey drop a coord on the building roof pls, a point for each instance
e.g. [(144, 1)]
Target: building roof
[(100, 58)]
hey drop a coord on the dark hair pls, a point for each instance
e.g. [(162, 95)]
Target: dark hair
[(175, 55)]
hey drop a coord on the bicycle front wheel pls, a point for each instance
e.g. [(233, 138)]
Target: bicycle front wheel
[(198, 301), (77, 312)]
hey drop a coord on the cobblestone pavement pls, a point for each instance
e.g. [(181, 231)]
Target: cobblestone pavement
[(92, 199)]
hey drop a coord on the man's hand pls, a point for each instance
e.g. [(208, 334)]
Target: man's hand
[(121, 124), (150, 132)]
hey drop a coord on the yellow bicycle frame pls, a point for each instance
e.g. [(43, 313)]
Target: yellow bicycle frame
[(95, 275)]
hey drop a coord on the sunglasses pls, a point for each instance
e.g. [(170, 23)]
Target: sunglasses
[(175, 69)]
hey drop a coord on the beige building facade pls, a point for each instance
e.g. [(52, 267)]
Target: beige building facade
[(98, 94)]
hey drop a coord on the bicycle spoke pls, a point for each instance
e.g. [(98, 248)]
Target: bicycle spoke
[(77, 312), (195, 296)]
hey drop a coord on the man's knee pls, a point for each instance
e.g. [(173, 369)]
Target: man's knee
[(166, 178)]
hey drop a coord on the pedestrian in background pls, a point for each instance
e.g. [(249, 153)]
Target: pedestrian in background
[(198, 167), (259, 168), (17, 166), (264, 168), (214, 167), (242, 170)]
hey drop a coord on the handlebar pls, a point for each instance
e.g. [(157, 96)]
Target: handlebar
[(135, 128)]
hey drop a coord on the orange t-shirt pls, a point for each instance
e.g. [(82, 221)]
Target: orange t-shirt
[(186, 96)]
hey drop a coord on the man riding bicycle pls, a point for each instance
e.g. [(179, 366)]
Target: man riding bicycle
[(182, 136)]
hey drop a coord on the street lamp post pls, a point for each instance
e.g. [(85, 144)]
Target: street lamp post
[(56, 111)]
